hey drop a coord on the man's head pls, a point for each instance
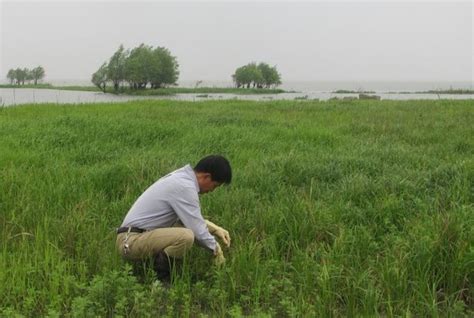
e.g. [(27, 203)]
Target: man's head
[(211, 172)]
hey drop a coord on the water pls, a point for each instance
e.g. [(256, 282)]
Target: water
[(12, 96), (317, 86), (302, 90), (331, 86)]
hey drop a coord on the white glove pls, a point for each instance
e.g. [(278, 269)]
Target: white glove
[(220, 232), (219, 258)]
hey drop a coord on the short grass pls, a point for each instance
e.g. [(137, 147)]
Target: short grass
[(358, 208), (451, 91), (41, 85)]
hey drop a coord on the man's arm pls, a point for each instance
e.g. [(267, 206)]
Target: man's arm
[(186, 205), (218, 231)]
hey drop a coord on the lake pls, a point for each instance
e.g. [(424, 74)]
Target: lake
[(12, 96)]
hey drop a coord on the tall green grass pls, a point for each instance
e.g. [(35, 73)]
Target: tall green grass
[(361, 208)]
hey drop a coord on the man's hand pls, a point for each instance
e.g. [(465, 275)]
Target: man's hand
[(220, 232), (219, 258)]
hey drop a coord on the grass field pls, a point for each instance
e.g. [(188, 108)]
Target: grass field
[(358, 208)]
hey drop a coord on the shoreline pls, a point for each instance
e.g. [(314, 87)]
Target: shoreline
[(166, 91), (171, 91)]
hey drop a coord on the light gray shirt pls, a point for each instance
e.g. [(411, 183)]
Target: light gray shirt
[(173, 197)]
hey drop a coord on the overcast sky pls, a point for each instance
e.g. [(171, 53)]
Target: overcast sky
[(352, 40)]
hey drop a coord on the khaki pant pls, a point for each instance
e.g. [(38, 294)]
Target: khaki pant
[(174, 241)]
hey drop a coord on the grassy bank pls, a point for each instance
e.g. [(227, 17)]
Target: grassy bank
[(39, 86), (440, 92), (361, 208), (450, 91), (154, 92)]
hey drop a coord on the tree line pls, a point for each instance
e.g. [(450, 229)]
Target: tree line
[(19, 76), (147, 67), (256, 76), (140, 67)]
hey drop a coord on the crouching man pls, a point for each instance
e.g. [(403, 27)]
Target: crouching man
[(166, 219)]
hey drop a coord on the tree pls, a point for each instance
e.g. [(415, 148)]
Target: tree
[(139, 66), (20, 76), (147, 65), (248, 75), (259, 76), (256, 75), (270, 75), (164, 69), (242, 77), (37, 74), (99, 78), (275, 77), (29, 75), (116, 67), (11, 76)]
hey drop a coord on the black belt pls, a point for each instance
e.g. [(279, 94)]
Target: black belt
[(132, 229)]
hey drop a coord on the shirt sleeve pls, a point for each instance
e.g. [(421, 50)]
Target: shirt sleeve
[(186, 205)]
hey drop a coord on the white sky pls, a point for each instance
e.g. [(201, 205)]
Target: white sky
[(311, 40)]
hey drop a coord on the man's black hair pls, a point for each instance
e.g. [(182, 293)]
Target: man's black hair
[(217, 166)]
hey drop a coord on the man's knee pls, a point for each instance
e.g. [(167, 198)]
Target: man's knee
[(182, 244), (187, 238)]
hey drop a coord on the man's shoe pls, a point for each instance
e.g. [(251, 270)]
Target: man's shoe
[(162, 267)]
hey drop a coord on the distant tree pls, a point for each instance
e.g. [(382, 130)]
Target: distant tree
[(37, 74), (99, 78), (11, 76), (248, 75), (164, 69), (138, 66), (29, 75), (256, 75), (270, 75), (116, 67), (275, 77), (141, 66), (261, 75), (20, 76), (236, 78), (242, 77), (154, 66)]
